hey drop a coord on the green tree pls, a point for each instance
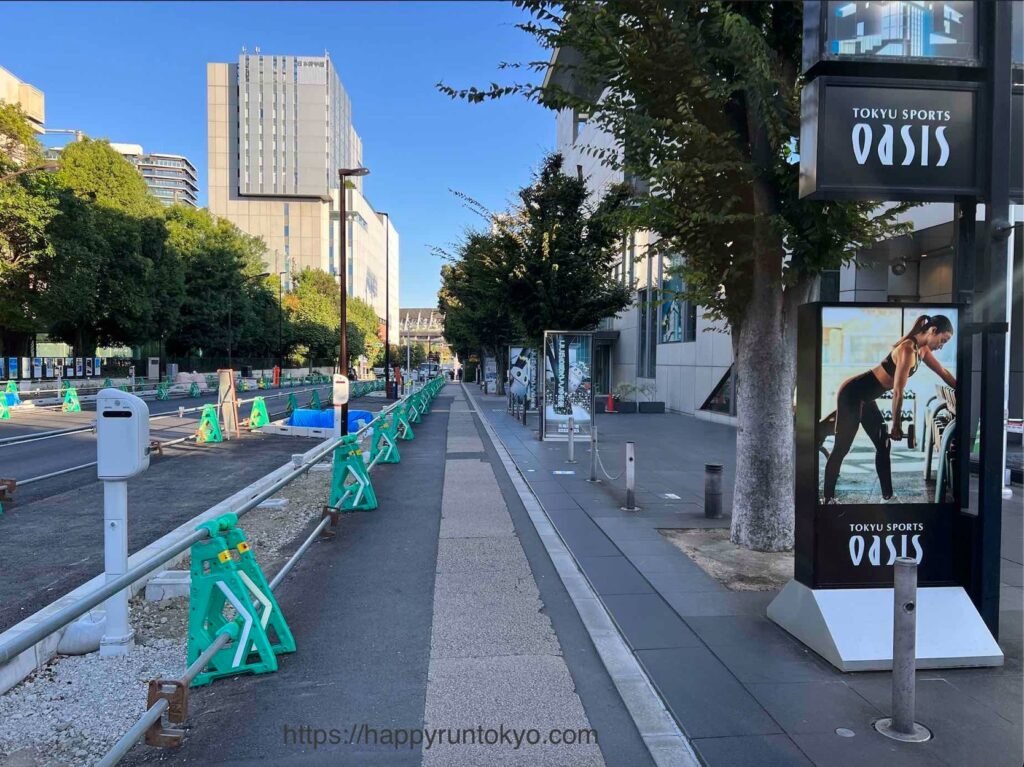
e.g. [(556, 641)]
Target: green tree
[(28, 204), (117, 283), (702, 99), (364, 318), (475, 298), (314, 309), (219, 263), (546, 264)]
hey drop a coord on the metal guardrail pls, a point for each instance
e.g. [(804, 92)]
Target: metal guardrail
[(154, 713), (14, 441)]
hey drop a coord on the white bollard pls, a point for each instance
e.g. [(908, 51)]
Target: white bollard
[(630, 477), (118, 637), (572, 440)]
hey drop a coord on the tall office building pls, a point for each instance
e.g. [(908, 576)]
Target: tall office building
[(28, 97), (170, 177), (279, 128)]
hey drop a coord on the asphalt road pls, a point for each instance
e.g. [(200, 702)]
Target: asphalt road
[(21, 461), (63, 515)]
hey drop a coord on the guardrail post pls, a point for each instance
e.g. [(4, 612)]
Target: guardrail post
[(713, 490), (630, 477), (572, 440), (901, 725)]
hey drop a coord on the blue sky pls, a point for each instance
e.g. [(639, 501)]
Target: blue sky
[(136, 73)]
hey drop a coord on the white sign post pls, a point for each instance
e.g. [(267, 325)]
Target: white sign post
[(122, 451)]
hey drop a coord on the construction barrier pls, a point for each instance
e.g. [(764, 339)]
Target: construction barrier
[(193, 390), (351, 487), (314, 401), (11, 395), (225, 572), (292, 404), (258, 416), (209, 428), (70, 403), (5, 412), (162, 392)]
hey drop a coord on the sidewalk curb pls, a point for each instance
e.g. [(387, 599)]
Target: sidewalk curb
[(667, 744)]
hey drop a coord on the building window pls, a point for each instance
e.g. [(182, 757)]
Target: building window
[(829, 286), (646, 360), (723, 397), (678, 316)]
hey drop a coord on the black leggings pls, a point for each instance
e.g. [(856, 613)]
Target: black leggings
[(855, 406)]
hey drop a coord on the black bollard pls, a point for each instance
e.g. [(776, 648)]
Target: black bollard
[(713, 490)]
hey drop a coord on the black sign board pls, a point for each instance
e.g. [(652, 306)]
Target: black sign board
[(861, 495), (883, 139)]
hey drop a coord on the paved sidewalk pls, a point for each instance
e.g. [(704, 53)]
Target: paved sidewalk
[(742, 689), (439, 611)]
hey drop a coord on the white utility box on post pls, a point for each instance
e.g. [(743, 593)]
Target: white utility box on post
[(339, 396), (122, 452)]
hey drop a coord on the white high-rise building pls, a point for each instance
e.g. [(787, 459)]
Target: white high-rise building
[(279, 128)]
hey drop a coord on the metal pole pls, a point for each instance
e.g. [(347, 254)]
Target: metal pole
[(712, 490), (991, 299), (901, 726), (230, 301), (342, 428), (387, 308), (117, 632), (593, 453), (630, 477), (572, 440), (280, 326)]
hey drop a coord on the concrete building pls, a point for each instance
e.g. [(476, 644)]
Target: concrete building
[(171, 178), (279, 128), (28, 97), (424, 326)]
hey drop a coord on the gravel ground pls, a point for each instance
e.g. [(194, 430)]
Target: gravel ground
[(72, 712)]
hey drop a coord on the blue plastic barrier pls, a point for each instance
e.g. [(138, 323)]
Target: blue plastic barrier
[(324, 419)]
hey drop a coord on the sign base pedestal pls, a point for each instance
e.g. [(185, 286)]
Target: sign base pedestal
[(852, 628)]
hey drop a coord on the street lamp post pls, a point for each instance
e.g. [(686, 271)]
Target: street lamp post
[(343, 174), (280, 321), (388, 394)]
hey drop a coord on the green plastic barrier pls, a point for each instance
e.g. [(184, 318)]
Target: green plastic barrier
[(357, 494), (314, 401), (225, 572), (193, 390), (384, 447), (258, 417), (71, 403), (162, 392), (292, 404), (209, 428)]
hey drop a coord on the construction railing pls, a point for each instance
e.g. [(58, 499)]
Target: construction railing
[(225, 572)]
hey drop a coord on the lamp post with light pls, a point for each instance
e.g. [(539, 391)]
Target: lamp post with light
[(343, 174)]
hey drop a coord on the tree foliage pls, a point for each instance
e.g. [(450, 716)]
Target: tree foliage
[(702, 99), (546, 264), (90, 257)]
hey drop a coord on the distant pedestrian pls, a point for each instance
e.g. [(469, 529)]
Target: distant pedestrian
[(458, 374)]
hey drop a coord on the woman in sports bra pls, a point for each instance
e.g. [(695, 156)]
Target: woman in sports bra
[(856, 406)]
